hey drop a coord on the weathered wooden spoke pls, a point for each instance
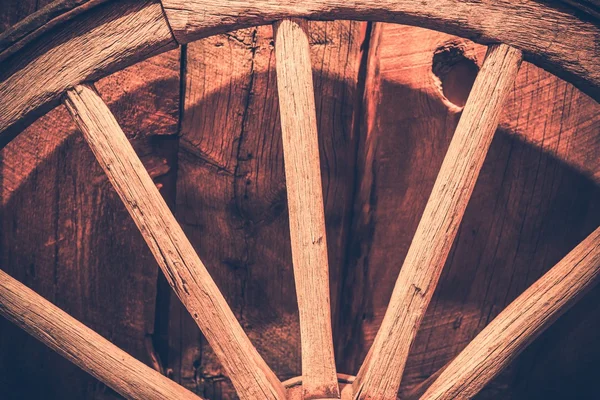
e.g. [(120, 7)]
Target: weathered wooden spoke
[(379, 376), (174, 253), (82, 346), (520, 323), (305, 203)]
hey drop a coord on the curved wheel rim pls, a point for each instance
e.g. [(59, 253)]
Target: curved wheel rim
[(140, 30)]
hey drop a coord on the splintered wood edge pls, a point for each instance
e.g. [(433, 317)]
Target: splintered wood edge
[(115, 34), (84, 347)]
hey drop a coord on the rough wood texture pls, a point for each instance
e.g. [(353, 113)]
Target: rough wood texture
[(570, 52), (399, 158), (381, 373), (520, 323), (546, 118), (66, 234), (537, 196), (40, 22), (109, 37), (558, 41), (305, 204), (231, 191), (520, 225), (82, 346), (173, 252)]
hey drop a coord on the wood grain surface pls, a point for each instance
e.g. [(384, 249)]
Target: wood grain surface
[(181, 266), (557, 40), (379, 377), (569, 51), (82, 346), (536, 199), (68, 226), (41, 22), (110, 37), (298, 117), (520, 323), (519, 222), (231, 186)]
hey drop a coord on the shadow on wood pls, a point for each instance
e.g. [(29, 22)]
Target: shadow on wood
[(528, 210)]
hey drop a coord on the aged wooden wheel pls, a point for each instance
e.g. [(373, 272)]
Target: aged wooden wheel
[(56, 54)]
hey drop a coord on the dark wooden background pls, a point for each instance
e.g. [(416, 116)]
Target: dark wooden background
[(388, 100)]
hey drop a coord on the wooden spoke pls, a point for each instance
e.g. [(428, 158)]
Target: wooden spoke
[(380, 375), (305, 202), (82, 346), (174, 253), (520, 323)]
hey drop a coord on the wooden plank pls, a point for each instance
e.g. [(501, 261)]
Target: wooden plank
[(381, 373), (400, 155), (569, 51), (109, 37), (520, 323), (305, 203), (183, 269), (82, 346), (72, 240), (231, 188)]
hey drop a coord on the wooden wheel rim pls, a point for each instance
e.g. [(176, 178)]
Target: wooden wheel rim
[(564, 44), (41, 62)]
